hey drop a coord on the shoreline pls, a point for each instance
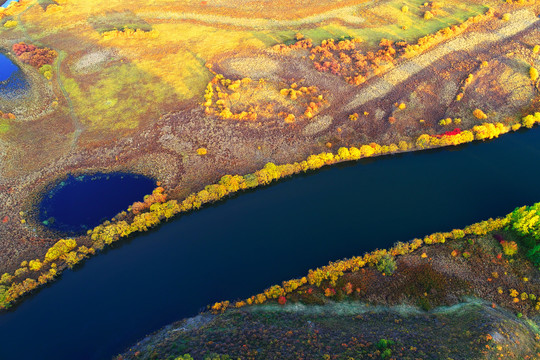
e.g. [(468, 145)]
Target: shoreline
[(130, 223)]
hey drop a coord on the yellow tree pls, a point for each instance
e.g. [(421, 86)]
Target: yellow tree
[(533, 72)]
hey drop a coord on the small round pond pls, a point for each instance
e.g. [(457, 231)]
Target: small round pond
[(79, 203), (13, 82), (7, 67)]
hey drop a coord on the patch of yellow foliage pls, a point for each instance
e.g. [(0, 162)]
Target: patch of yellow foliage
[(10, 24)]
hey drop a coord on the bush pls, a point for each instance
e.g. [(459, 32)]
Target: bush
[(533, 73), (35, 265), (62, 247), (184, 357), (10, 24), (479, 114), (510, 248), (383, 344), (387, 264), (36, 57)]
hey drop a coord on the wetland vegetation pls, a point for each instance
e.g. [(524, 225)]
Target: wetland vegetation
[(211, 99)]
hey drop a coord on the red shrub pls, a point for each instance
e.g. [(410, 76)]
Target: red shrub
[(456, 131), (32, 55)]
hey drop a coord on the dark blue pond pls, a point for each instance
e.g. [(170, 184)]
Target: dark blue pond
[(13, 83), (79, 203), (7, 67), (240, 247)]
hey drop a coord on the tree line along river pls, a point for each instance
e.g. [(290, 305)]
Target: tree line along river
[(241, 246)]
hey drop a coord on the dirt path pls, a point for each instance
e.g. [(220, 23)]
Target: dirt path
[(77, 125), (382, 86)]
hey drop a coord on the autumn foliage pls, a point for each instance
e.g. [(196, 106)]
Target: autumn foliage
[(157, 196), (156, 208), (485, 131), (428, 41), (239, 99), (34, 56), (326, 278), (510, 248), (343, 58), (4, 115)]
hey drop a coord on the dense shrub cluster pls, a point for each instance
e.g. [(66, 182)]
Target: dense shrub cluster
[(65, 251), (4, 115), (431, 40), (356, 67), (10, 24), (484, 131), (526, 222), (239, 99), (13, 8), (342, 57), (32, 55)]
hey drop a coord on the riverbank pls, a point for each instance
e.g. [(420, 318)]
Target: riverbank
[(469, 330), (101, 297), (414, 297), (143, 216)]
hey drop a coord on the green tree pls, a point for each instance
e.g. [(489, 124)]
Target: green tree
[(387, 264)]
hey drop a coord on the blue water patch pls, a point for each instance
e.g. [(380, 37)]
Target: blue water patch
[(7, 67), (79, 203), (13, 82), (5, 5)]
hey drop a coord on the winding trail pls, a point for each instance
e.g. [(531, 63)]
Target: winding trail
[(382, 86), (74, 118)]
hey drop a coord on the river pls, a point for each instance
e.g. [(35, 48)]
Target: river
[(243, 245)]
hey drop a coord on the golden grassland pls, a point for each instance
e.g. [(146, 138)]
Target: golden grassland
[(170, 65)]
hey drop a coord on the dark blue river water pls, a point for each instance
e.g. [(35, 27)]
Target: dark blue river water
[(240, 247), (79, 203)]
